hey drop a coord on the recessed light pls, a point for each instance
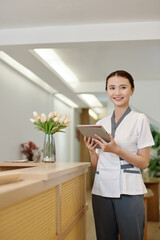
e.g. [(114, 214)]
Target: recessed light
[(91, 100), (66, 100), (51, 59), (26, 72)]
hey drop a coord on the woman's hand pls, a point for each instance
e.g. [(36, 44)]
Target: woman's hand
[(90, 143), (140, 160), (107, 146)]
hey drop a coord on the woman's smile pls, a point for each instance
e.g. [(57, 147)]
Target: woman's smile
[(118, 98)]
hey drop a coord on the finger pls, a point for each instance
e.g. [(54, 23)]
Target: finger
[(99, 142), (101, 139), (110, 135), (89, 140), (111, 138), (92, 143), (94, 146)]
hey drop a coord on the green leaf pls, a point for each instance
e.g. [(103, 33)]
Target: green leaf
[(156, 139), (50, 127), (40, 129)]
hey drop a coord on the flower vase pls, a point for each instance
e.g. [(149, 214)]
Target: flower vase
[(49, 150)]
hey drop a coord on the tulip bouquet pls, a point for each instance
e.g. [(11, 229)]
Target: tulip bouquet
[(55, 122)]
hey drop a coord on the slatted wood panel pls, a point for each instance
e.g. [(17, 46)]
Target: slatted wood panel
[(71, 200), (76, 233), (31, 219)]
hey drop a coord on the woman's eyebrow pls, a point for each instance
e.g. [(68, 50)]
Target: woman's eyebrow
[(119, 85)]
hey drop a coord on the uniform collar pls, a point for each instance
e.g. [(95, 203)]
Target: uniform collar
[(115, 125)]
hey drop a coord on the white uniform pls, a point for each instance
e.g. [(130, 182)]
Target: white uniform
[(114, 176)]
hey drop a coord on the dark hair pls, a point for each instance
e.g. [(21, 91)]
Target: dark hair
[(121, 73)]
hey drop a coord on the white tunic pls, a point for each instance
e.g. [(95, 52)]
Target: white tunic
[(115, 176)]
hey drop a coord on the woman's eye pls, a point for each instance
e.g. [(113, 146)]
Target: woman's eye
[(111, 88), (123, 87)]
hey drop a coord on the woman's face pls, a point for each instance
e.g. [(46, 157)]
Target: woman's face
[(119, 91)]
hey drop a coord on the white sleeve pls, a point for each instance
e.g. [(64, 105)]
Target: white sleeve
[(145, 138)]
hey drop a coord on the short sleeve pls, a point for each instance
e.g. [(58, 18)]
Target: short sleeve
[(145, 138)]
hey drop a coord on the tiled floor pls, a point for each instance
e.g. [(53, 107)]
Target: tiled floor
[(153, 227)]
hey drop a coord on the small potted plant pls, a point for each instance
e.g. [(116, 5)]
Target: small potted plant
[(31, 151)]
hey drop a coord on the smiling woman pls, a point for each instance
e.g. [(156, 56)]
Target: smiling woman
[(118, 182)]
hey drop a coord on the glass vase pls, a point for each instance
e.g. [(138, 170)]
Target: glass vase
[(49, 150)]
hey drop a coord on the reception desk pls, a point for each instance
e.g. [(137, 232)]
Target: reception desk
[(47, 203)]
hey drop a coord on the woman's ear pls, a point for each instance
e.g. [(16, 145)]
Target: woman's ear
[(132, 91)]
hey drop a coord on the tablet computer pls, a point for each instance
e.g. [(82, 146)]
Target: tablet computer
[(91, 130)]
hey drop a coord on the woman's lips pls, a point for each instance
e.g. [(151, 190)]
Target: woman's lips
[(118, 98)]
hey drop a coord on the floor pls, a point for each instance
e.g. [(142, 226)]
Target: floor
[(153, 229)]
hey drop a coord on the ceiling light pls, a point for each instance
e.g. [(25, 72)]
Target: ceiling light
[(91, 100), (26, 72), (93, 114), (51, 59), (66, 100)]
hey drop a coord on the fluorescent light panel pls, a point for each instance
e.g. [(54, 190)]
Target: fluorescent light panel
[(50, 57), (93, 114), (91, 100), (26, 72), (66, 100)]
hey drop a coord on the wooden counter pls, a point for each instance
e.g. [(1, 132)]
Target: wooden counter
[(48, 203)]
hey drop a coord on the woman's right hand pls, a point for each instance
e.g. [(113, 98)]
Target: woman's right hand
[(90, 144)]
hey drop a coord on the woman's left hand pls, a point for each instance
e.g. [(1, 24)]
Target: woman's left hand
[(107, 146)]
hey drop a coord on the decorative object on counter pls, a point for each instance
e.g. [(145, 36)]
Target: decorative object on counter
[(55, 123), (31, 151), (154, 164)]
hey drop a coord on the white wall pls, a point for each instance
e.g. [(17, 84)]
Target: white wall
[(146, 99), (67, 146), (19, 97)]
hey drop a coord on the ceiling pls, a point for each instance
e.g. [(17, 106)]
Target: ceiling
[(93, 38), (19, 14)]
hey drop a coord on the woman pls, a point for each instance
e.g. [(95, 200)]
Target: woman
[(117, 194)]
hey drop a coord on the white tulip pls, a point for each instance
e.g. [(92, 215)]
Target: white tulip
[(51, 115), (67, 121), (61, 120), (64, 117), (56, 119), (32, 120), (38, 118), (43, 117), (35, 114)]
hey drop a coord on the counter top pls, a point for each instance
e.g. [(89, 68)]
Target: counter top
[(152, 180), (44, 171), (35, 178)]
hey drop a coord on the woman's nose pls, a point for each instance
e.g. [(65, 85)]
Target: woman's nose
[(117, 91)]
